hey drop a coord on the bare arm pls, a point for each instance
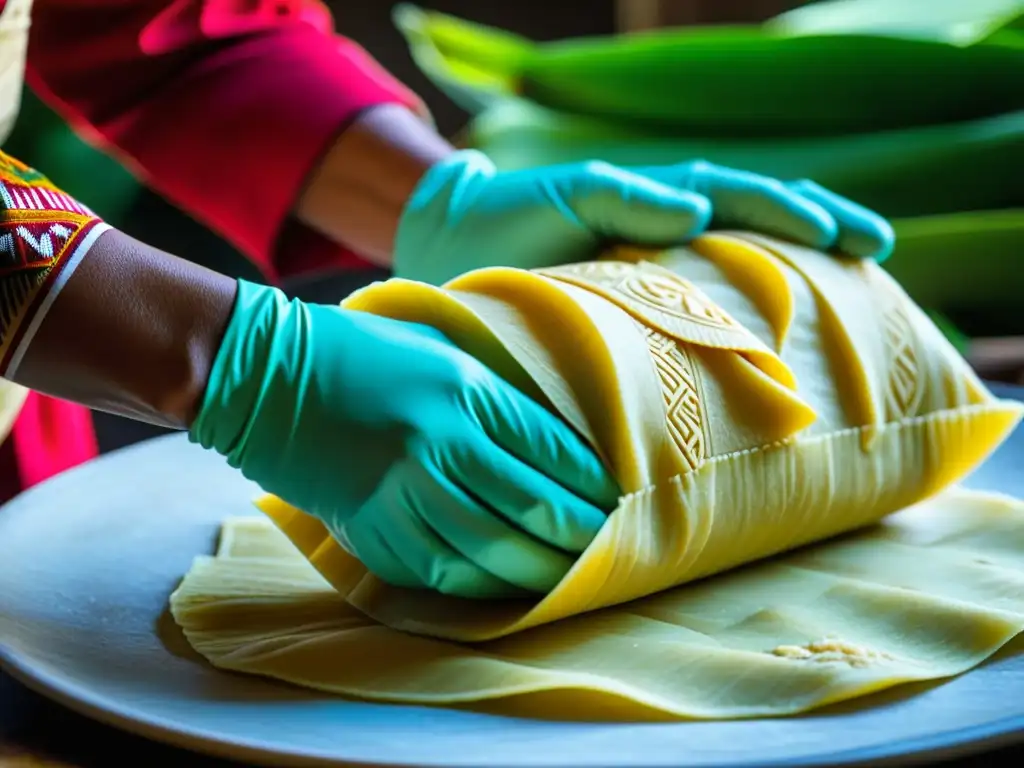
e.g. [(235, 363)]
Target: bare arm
[(235, 111), (358, 191), (88, 314), (133, 331)]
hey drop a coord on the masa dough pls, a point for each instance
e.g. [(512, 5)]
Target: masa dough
[(774, 397)]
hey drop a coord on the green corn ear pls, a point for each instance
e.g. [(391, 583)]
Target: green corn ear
[(730, 80)]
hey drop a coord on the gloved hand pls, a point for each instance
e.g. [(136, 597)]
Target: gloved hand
[(465, 214), (423, 463), (800, 211)]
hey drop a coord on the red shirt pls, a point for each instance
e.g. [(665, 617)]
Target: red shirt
[(222, 106)]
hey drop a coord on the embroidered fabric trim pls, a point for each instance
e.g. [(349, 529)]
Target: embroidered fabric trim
[(44, 234)]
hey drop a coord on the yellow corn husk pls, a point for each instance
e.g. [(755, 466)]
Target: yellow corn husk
[(750, 397)]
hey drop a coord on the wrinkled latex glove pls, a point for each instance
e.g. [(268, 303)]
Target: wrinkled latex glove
[(800, 211), (465, 214), (422, 462)]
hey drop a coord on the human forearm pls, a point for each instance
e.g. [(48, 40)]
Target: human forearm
[(225, 109), (358, 192), (133, 331)]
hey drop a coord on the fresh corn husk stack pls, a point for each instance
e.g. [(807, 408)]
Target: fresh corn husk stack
[(912, 107)]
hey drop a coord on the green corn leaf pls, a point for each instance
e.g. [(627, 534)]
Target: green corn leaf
[(960, 341), (970, 261), (911, 172), (957, 22), (738, 81)]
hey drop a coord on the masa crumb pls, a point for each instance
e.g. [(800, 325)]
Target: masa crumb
[(831, 650)]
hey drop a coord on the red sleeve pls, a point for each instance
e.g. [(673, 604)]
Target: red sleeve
[(222, 106)]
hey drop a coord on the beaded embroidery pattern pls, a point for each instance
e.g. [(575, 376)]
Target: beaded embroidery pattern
[(44, 233)]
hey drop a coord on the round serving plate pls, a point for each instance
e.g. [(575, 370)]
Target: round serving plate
[(88, 559)]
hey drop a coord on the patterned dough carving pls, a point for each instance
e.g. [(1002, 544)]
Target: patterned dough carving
[(650, 286), (685, 421)]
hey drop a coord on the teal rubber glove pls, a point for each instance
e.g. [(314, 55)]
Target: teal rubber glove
[(800, 211), (422, 462), (465, 214)]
